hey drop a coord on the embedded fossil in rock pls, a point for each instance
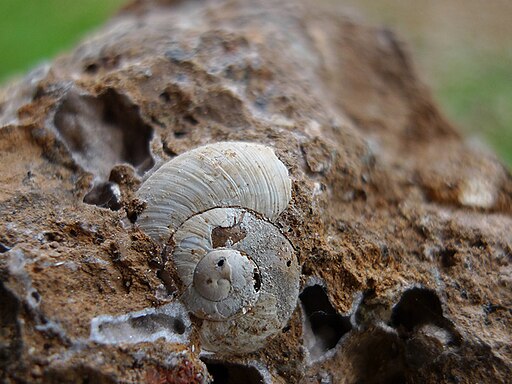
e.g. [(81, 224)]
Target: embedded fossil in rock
[(239, 272), (402, 230)]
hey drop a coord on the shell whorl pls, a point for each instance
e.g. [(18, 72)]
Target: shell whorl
[(225, 174), (239, 273)]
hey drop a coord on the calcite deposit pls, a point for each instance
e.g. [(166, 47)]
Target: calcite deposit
[(402, 229)]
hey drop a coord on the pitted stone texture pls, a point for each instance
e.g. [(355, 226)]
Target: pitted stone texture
[(386, 197)]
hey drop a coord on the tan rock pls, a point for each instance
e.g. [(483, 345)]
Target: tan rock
[(402, 230)]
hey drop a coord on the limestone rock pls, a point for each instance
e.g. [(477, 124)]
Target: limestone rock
[(402, 229)]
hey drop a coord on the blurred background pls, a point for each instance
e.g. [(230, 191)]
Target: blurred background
[(462, 49)]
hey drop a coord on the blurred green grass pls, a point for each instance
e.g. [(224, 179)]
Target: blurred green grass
[(474, 89), (477, 94), (34, 30)]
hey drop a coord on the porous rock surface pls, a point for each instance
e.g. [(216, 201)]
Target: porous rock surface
[(402, 229)]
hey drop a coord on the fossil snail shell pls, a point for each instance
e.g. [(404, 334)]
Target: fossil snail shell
[(240, 273)]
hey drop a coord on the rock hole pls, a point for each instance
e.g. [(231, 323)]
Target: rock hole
[(257, 280), (132, 216), (491, 308), (448, 257), (478, 243), (288, 263), (165, 97), (417, 306), (104, 131), (4, 248), (53, 236), (220, 263), (179, 326), (179, 134), (105, 195), (324, 327), (229, 373), (120, 112), (374, 357), (190, 119), (91, 68), (167, 280), (103, 62), (36, 296), (169, 322), (134, 208)]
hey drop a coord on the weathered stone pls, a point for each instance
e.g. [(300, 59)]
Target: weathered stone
[(402, 229)]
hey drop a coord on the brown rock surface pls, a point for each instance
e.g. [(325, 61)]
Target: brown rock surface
[(402, 229)]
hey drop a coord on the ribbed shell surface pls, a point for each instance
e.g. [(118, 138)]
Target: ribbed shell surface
[(225, 174)]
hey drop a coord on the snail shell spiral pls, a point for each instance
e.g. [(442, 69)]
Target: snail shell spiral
[(240, 273)]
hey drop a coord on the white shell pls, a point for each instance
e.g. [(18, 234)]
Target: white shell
[(194, 247), (253, 315), (240, 273), (223, 174)]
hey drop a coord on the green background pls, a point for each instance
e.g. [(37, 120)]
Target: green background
[(463, 50), (34, 30)]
